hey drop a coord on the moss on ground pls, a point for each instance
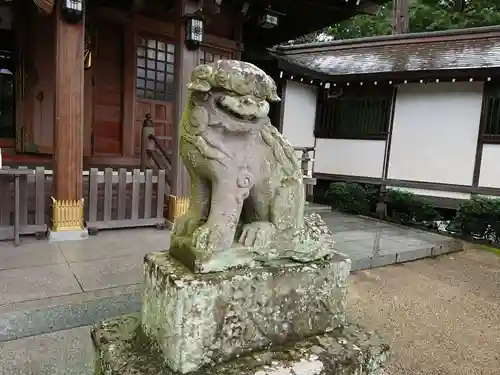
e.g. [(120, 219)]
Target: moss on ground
[(490, 249)]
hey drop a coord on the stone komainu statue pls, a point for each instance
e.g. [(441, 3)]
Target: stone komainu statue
[(246, 181)]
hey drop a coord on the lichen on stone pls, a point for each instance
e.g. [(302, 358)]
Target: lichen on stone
[(363, 353), (247, 191)]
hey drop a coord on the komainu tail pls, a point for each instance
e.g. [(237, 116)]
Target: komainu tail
[(282, 150)]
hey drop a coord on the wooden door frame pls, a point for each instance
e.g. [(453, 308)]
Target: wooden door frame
[(88, 114), (136, 26)]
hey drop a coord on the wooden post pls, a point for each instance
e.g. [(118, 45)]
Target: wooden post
[(67, 212), (186, 61), (146, 143), (400, 16)]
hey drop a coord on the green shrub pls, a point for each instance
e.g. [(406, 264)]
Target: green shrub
[(479, 217), (373, 196), (410, 208), (348, 197), (320, 192)]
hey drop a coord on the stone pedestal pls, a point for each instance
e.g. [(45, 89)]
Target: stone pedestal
[(122, 349), (199, 319), (288, 318)]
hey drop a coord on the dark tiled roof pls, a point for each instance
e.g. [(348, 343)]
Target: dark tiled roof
[(399, 54)]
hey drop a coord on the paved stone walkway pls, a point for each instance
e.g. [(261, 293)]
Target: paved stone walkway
[(48, 287), (372, 243), (441, 316)]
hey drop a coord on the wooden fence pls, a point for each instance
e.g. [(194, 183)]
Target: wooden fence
[(113, 199), (125, 199), (22, 203)]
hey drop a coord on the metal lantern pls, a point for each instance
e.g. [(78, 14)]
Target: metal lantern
[(269, 20), (194, 31), (73, 10)]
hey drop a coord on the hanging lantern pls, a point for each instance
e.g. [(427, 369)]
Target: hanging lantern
[(269, 20), (45, 6), (73, 10), (194, 31)]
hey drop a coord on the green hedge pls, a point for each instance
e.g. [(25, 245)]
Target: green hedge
[(478, 217), (409, 208), (361, 199), (353, 198)]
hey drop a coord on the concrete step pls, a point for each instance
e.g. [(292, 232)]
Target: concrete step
[(30, 318)]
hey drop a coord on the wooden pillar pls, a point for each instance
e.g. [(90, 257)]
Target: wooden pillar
[(400, 16), (67, 210), (186, 61)]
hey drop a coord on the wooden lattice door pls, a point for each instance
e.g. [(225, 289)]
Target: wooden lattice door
[(155, 88)]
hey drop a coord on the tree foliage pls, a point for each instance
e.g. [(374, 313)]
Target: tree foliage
[(425, 15)]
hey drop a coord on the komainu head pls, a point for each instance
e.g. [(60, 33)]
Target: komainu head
[(233, 93), (238, 77)]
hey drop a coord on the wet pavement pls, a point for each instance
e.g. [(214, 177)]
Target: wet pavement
[(46, 287), (373, 243)]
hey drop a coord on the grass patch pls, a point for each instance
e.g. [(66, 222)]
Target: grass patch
[(489, 249)]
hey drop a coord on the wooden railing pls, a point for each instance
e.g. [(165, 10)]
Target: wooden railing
[(112, 199), (22, 203), (123, 199), (153, 153), (306, 162), (155, 156)]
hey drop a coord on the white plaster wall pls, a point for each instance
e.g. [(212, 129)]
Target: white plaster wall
[(433, 193), (353, 157), (435, 132), (299, 114), (489, 175)]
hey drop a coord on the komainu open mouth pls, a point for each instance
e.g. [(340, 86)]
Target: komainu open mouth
[(242, 109)]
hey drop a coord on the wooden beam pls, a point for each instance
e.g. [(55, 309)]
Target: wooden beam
[(69, 99)]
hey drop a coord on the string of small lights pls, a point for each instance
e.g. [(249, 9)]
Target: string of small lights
[(394, 82)]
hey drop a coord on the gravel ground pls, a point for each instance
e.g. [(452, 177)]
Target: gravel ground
[(440, 316)]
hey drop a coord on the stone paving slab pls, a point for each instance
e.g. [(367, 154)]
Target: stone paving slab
[(32, 253), (23, 284), (41, 271), (108, 273), (373, 243), (60, 353)]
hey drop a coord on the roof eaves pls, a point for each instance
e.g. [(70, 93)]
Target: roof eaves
[(477, 32)]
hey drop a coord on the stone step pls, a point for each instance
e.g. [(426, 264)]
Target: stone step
[(31, 318)]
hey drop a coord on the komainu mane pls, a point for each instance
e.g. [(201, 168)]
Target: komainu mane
[(246, 181)]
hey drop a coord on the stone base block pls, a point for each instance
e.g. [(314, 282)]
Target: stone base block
[(122, 349), (200, 319), (68, 235)]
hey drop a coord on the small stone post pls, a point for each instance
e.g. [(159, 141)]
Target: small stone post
[(146, 142), (305, 160)]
